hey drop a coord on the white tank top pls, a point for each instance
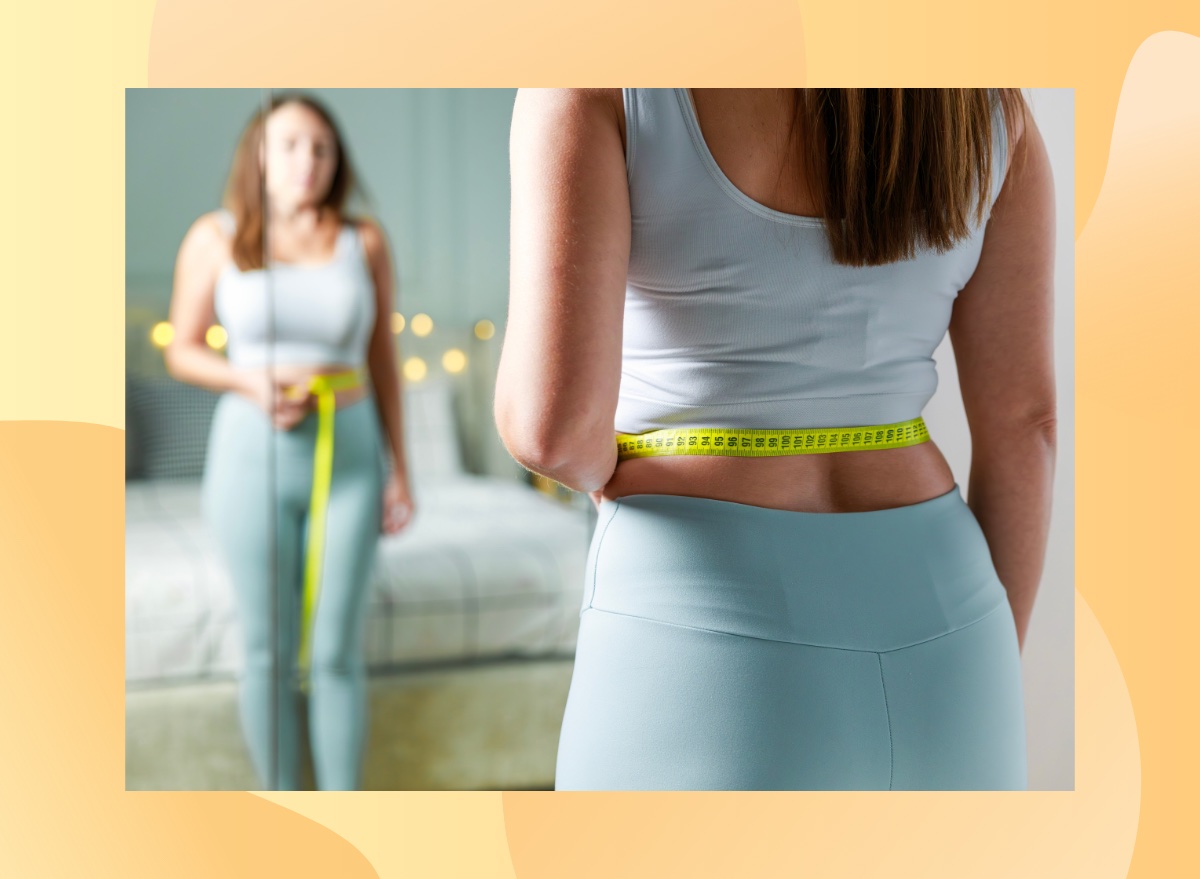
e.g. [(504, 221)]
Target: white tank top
[(736, 314), (323, 314)]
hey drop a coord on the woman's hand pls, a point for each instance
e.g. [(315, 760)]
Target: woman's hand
[(284, 401), (596, 496), (398, 506)]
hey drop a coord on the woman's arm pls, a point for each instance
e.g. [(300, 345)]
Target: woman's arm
[(188, 357), (560, 366), (381, 352), (1002, 330)]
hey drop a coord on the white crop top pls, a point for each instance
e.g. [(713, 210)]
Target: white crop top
[(737, 316), (323, 314)]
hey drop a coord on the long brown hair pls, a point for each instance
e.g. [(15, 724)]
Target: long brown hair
[(244, 187), (894, 170)]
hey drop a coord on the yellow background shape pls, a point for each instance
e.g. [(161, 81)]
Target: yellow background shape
[(61, 492)]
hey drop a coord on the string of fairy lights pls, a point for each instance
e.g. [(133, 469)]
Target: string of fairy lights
[(454, 360)]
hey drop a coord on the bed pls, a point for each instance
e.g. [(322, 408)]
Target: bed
[(472, 619)]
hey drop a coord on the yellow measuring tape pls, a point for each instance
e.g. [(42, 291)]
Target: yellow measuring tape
[(324, 387), (765, 442)]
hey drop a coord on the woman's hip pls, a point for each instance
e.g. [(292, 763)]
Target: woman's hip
[(873, 581), (662, 706), (726, 646)]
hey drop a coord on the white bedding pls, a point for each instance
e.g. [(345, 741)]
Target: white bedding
[(488, 567)]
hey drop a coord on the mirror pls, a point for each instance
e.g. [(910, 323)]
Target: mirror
[(261, 228)]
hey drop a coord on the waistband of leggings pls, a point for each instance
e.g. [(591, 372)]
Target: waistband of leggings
[(772, 515), (235, 399), (874, 580), (247, 413)]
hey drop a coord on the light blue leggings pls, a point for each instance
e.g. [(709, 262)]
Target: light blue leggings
[(724, 646), (239, 506)]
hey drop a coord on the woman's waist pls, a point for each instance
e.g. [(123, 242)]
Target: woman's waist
[(833, 482), (240, 427), (352, 383)]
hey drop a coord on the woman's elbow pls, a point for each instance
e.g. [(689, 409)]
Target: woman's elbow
[(542, 446), (179, 360), (529, 443), (1017, 434), (1040, 420), (1046, 426), (171, 360)]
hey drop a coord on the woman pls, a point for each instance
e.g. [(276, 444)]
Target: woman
[(296, 497), (738, 283)]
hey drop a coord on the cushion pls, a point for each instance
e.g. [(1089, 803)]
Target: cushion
[(171, 421)]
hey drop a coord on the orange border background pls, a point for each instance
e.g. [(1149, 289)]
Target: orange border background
[(65, 810)]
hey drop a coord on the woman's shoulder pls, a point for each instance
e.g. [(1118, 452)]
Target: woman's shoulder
[(368, 229), (572, 100), (573, 94), (551, 109), (207, 240), (219, 220), (374, 240)]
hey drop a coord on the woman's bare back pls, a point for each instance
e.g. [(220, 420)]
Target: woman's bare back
[(746, 130)]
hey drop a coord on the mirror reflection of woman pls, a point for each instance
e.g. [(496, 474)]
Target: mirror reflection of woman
[(733, 261), (319, 305)]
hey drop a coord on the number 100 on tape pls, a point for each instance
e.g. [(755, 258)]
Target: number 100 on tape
[(762, 443)]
